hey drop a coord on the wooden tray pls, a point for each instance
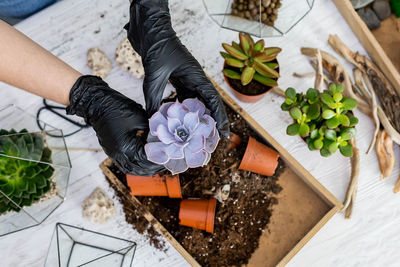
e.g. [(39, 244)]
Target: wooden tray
[(304, 206), (371, 44)]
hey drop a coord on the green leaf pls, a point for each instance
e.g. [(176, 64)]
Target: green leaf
[(348, 133), (234, 62), (318, 144), (328, 100), (267, 69), (346, 151), (247, 75), (325, 152), (295, 113), (314, 133), (330, 134), (237, 46), (344, 120), (231, 74), (353, 121), (327, 114), (332, 88), (246, 42), (312, 94), (333, 147), (339, 88), (290, 93), (262, 72), (322, 130), (259, 45), (337, 97), (234, 52), (293, 129), (349, 103), (332, 123), (225, 55), (304, 130), (272, 50), (313, 111), (272, 65), (264, 80), (311, 146), (285, 106)]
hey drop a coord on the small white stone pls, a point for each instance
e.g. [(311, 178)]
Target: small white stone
[(127, 58), (98, 207), (98, 62)]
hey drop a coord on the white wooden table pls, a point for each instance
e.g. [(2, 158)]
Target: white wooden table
[(70, 27)]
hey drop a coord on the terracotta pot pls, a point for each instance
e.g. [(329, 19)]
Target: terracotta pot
[(259, 158), (235, 140), (247, 98), (167, 185), (198, 213)]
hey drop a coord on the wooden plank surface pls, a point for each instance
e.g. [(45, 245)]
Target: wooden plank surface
[(70, 27)]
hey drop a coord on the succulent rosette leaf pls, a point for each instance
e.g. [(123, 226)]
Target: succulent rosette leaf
[(182, 135), (25, 169)]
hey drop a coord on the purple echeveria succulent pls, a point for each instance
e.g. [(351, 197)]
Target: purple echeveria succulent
[(182, 135)]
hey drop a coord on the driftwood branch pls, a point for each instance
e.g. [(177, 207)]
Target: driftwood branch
[(352, 187), (319, 76), (384, 150), (388, 96)]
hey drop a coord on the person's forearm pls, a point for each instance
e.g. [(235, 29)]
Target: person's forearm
[(27, 65)]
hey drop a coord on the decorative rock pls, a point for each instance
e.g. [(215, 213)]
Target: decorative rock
[(382, 9), (98, 62), (369, 17), (127, 58), (98, 207)]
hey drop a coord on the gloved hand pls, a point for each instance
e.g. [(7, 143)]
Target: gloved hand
[(116, 120), (165, 57)]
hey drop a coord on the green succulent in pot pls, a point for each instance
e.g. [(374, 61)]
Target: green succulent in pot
[(25, 171), (325, 120), (249, 60)]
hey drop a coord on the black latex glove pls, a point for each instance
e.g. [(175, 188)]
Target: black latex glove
[(116, 120), (165, 57)]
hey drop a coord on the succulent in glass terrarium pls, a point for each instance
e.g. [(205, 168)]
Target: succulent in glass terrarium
[(23, 181)]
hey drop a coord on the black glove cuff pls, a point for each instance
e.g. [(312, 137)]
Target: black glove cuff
[(82, 93)]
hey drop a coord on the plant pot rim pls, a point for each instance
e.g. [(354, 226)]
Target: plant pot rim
[(170, 185), (206, 216)]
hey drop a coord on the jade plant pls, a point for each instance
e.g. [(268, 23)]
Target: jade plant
[(325, 120), (182, 135), (250, 60), (25, 171)]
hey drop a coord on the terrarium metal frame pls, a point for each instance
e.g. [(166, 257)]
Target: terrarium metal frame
[(127, 253), (289, 15), (42, 205)]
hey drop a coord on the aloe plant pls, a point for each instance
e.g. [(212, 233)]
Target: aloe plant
[(251, 60), (324, 119), (24, 170)]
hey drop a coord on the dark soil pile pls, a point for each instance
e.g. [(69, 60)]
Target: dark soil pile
[(239, 221)]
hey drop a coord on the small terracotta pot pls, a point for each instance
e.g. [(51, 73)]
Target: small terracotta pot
[(235, 140), (247, 98), (259, 158), (198, 213), (154, 186)]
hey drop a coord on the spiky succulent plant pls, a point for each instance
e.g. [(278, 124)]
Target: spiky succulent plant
[(24, 172), (324, 119), (182, 135), (250, 60)]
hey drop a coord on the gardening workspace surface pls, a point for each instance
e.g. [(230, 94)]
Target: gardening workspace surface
[(370, 238)]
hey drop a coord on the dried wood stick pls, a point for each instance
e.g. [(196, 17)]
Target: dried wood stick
[(339, 75), (384, 150), (374, 111), (319, 75), (359, 85), (278, 91), (352, 187), (305, 75), (396, 188), (327, 80), (388, 126), (388, 96)]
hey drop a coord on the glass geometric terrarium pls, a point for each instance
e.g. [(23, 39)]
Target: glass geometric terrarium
[(261, 18), (34, 170), (72, 246)]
